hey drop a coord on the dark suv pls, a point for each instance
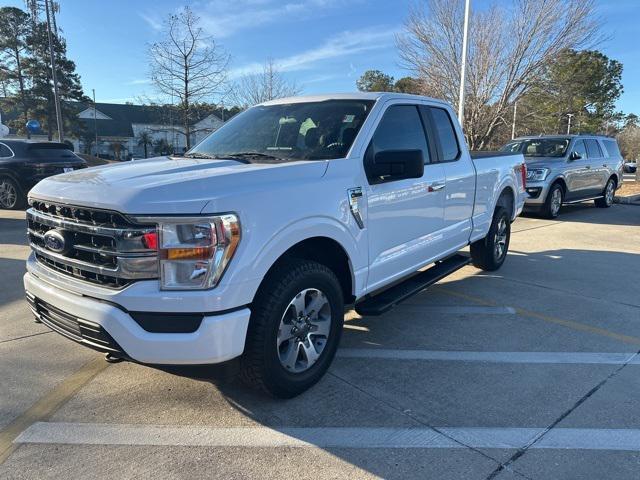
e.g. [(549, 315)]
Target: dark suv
[(24, 163)]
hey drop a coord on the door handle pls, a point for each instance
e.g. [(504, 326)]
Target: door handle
[(588, 167), (435, 186)]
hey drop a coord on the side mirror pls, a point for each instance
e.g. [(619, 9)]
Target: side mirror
[(389, 165), (575, 156)]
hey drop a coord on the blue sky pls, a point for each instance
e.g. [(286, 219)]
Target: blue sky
[(323, 45)]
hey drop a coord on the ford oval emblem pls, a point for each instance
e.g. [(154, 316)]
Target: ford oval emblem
[(54, 240)]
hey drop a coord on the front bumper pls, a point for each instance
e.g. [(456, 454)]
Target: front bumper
[(106, 327), (536, 193)]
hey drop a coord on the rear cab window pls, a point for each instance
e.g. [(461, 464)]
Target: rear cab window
[(446, 134)]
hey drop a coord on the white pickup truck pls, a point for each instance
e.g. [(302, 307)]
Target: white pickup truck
[(251, 244)]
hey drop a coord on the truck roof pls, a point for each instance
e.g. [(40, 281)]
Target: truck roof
[(352, 96)]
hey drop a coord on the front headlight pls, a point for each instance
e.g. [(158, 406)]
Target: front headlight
[(194, 252), (537, 174)]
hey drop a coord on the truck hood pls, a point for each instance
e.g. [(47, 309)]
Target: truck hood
[(163, 185)]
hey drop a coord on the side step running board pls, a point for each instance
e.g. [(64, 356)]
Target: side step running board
[(387, 299)]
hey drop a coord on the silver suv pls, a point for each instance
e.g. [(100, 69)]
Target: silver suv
[(565, 169)]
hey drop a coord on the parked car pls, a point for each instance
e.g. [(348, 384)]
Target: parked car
[(24, 163), (253, 242), (565, 169), (630, 167)]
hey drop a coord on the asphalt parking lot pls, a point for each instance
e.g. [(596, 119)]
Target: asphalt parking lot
[(530, 372)]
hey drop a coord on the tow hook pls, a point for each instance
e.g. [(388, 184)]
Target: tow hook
[(111, 358)]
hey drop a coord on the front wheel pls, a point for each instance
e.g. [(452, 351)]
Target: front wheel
[(609, 193), (295, 328), (553, 203), (490, 252)]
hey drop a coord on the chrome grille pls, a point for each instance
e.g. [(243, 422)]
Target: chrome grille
[(105, 247)]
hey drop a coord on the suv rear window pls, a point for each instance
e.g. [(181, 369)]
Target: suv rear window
[(612, 148), (54, 153)]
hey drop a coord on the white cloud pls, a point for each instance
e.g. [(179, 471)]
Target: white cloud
[(139, 81), (222, 18), (350, 42), (152, 20)]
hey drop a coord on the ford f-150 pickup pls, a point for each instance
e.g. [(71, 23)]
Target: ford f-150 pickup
[(251, 244)]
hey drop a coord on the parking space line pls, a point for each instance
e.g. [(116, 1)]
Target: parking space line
[(47, 405), (329, 437), (580, 358), (456, 309), (628, 339)]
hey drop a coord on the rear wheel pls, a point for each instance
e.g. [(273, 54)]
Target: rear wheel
[(607, 197), (295, 328), (11, 197), (553, 203), (490, 252)]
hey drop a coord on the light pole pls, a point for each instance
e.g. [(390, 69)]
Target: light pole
[(463, 65), (570, 115), (56, 98), (95, 119)]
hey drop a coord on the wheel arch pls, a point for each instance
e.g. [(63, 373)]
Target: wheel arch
[(324, 250)]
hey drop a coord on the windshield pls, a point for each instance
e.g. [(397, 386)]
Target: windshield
[(538, 147), (288, 132)]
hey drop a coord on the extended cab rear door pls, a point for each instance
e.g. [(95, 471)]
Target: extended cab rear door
[(460, 175), (404, 216)]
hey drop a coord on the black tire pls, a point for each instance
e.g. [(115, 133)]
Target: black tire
[(484, 253), (260, 364), (14, 200), (551, 209), (607, 195)]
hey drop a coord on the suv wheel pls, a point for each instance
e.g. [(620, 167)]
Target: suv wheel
[(295, 328), (10, 194), (490, 252), (553, 203), (609, 193)]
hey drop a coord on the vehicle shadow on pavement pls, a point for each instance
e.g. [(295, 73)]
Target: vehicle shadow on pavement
[(13, 231), (589, 213), (11, 272)]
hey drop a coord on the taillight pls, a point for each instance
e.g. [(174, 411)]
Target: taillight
[(523, 172)]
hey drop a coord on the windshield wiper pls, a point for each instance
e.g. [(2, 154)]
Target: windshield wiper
[(207, 156), (248, 155)]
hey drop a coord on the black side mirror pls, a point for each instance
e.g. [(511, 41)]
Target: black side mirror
[(575, 156), (390, 165)]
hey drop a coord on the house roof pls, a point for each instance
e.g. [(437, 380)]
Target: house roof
[(120, 119)]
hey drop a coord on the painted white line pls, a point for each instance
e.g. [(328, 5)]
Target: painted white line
[(581, 358), (478, 437), (455, 309)]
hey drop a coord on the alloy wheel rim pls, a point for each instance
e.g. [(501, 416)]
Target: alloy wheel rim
[(556, 201), (304, 330), (8, 194), (500, 240), (609, 193)]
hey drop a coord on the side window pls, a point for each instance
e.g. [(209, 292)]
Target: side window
[(5, 151), (593, 148), (401, 129), (612, 148), (446, 134), (580, 149)]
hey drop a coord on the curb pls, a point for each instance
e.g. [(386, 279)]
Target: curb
[(627, 199)]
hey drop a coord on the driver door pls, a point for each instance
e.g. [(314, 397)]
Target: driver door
[(405, 217)]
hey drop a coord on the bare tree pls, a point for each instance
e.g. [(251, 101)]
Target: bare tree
[(187, 66), (508, 47), (262, 87)]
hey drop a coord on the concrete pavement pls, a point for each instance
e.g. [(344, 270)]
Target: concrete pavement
[(527, 372)]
